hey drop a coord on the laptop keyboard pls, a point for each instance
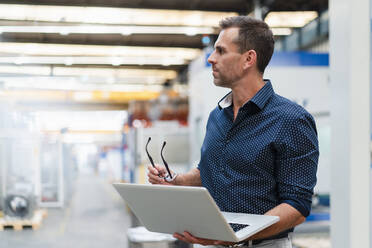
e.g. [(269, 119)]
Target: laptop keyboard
[(236, 227)]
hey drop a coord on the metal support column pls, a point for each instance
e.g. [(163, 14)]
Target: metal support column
[(350, 122), (257, 9)]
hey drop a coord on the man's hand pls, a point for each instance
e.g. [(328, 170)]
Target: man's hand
[(156, 175), (191, 178), (188, 238)]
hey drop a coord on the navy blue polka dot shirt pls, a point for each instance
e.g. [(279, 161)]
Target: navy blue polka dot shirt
[(266, 157)]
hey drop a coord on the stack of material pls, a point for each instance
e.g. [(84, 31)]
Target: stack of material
[(20, 205), (19, 224)]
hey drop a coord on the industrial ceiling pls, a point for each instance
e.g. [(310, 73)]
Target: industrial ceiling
[(162, 40), (239, 6), (57, 38)]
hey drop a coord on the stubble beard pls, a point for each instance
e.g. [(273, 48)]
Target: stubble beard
[(220, 82)]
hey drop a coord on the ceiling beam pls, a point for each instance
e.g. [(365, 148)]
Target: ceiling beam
[(206, 5), (160, 40)]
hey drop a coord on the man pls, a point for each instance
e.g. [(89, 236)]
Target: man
[(260, 151)]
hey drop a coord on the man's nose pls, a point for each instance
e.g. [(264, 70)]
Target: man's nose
[(211, 59)]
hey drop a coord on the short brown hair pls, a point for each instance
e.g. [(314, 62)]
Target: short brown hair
[(253, 35)]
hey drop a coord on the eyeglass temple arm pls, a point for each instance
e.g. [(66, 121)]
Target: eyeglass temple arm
[(148, 155), (165, 163)]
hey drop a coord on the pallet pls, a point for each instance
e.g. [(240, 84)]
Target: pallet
[(20, 224)]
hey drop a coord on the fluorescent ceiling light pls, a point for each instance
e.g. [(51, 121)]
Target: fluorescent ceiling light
[(25, 70), (105, 29), (295, 19), (83, 96), (104, 15), (92, 60), (281, 31), (99, 80), (92, 72), (119, 73), (10, 48), (89, 139), (71, 84), (81, 120)]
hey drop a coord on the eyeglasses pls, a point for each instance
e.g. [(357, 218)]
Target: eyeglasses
[(162, 157)]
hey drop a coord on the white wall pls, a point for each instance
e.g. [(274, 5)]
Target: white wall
[(307, 86), (204, 96)]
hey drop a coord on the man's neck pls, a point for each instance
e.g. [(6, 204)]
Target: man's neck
[(244, 90)]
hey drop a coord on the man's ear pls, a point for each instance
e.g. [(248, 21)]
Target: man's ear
[(250, 59)]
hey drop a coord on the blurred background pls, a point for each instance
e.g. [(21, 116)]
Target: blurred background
[(83, 84)]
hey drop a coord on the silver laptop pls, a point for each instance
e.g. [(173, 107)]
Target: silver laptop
[(170, 209)]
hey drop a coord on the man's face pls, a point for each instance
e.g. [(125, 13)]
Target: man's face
[(226, 60)]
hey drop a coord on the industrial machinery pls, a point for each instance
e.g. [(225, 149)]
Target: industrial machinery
[(19, 204), (19, 173), (19, 164)]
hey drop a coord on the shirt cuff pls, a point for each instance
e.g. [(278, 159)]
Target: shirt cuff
[(301, 206)]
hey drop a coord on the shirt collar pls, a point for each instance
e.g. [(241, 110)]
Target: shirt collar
[(226, 101), (260, 99)]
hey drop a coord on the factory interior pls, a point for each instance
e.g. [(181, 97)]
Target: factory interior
[(84, 84)]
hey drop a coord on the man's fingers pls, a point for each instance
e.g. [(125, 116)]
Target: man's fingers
[(155, 175), (180, 237), (154, 179), (161, 170), (157, 170), (183, 238), (152, 170), (187, 237)]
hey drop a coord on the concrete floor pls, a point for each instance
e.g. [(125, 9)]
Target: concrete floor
[(312, 234), (311, 240), (96, 217)]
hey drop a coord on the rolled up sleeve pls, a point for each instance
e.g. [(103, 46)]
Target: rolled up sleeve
[(297, 162)]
